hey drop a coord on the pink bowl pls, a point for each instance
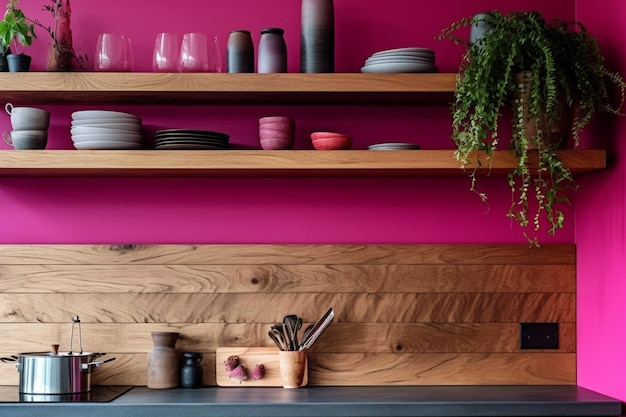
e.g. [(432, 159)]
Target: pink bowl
[(276, 144), (273, 119), (278, 125), (332, 143), (275, 134)]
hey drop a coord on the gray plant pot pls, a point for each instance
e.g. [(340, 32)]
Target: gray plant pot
[(18, 62)]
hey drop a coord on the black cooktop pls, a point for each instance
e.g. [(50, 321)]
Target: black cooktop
[(98, 393)]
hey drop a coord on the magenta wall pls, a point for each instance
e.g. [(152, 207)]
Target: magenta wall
[(601, 229), (40, 210)]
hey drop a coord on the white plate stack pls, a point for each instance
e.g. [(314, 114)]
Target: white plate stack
[(393, 146), (401, 60), (104, 129)]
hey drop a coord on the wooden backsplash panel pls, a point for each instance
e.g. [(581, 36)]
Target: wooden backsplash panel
[(405, 314)]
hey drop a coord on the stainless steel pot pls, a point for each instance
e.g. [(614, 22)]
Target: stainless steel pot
[(55, 373)]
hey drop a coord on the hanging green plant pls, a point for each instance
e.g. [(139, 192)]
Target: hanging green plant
[(548, 73)]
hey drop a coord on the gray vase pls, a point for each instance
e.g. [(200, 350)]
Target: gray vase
[(272, 51), (240, 52), (480, 27), (317, 37)]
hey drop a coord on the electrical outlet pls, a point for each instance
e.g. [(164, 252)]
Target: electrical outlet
[(539, 335)]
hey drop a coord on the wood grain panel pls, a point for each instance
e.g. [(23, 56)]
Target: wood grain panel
[(285, 278), (405, 314), (287, 254), (270, 308), (338, 338), (378, 369)]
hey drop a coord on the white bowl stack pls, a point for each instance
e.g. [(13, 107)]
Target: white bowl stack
[(105, 129), (401, 60)]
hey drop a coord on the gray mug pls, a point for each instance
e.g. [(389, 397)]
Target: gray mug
[(26, 139)]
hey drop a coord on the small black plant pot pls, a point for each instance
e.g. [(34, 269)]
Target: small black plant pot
[(18, 62)]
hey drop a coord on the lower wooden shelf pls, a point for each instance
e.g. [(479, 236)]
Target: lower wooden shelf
[(258, 163)]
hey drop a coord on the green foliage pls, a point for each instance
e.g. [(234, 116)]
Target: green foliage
[(564, 75), (16, 28)]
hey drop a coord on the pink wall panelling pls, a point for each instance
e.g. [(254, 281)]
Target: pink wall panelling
[(200, 210), (601, 228)]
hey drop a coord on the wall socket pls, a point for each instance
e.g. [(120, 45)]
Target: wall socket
[(539, 335)]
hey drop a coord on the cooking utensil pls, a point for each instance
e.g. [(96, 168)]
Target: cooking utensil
[(290, 322), (47, 373), (276, 339), (278, 335), (56, 372), (318, 329)]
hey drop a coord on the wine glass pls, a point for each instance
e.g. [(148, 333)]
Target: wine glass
[(113, 53), (199, 54), (166, 53)]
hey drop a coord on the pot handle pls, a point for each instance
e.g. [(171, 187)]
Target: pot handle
[(95, 364), (12, 358)]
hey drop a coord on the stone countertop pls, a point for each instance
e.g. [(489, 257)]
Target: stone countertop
[(388, 401)]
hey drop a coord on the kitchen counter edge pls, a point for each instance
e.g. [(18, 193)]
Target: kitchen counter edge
[(340, 401)]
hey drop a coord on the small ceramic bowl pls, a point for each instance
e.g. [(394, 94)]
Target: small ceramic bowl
[(276, 144), (273, 119), (318, 135), (275, 134), (287, 126), (332, 141)]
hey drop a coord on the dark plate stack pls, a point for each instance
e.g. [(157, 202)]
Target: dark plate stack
[(190, 139)]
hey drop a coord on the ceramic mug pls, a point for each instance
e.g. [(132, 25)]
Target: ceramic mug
[(26, 139), (28, 118)]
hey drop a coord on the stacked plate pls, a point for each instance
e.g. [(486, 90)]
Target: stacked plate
[(401, 60), (103, 129), (190, 139), (393, 146)]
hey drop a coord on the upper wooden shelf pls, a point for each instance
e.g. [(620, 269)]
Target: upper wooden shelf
[(245, 163), (207, 88)]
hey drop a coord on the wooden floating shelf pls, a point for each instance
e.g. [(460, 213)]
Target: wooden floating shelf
[(246, 163), (240, 89)]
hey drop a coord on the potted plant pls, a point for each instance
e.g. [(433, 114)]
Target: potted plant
[(17, 30), (549, 74), (4, 51)]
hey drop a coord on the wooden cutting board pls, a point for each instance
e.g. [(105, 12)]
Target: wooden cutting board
[(250, 356)]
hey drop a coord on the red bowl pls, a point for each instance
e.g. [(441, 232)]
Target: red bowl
[(319, 135), (332, 143)]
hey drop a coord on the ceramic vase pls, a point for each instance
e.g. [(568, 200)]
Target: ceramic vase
[(191, 371), (317, 37), (62, 51), (164, 361), (240, 52), (480, 27), (272, 51)]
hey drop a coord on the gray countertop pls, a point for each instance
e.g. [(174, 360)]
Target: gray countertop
[(368, 401)]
